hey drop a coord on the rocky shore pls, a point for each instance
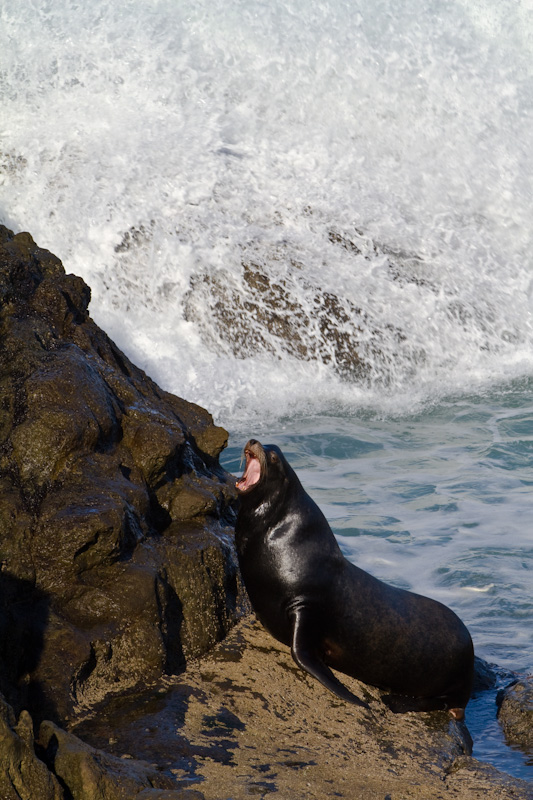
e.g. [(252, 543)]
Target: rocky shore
[(129, 666)]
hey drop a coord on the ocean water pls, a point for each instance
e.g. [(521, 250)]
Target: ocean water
[(315, 221)]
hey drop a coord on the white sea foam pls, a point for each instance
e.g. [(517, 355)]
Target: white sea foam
[(148, 143)]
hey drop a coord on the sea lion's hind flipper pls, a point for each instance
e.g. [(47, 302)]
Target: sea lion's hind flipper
[(305, 653)]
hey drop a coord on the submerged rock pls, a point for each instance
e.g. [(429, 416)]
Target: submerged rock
[(115, 515), (261, 315)]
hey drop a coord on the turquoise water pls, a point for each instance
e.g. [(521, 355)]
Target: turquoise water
[(439, 503)]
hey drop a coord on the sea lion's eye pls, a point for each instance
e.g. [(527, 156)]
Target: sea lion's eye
[(274, 458)]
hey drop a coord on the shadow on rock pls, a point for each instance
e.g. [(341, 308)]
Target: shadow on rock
[(24, 611)]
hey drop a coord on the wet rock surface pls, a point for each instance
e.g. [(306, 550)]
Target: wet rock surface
[(115, 516), (273, 308), (22, 773), (516, 714), (245, 721), (91, 773)]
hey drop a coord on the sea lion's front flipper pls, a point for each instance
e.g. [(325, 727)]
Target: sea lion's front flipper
[(305, 653)]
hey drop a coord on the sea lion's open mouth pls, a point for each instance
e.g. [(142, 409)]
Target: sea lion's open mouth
[(252, 472)]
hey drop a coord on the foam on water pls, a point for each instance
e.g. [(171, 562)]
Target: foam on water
[(148, 144)]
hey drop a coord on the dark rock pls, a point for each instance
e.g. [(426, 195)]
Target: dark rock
[(486, 676), (90, 774), (274, 308), (516, 714), (22, 774), (115, 515)]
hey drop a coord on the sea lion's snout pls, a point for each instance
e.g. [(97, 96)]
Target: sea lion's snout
[(255, 456)]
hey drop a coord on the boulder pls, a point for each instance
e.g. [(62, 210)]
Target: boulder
[(117, 563), (516, 714)]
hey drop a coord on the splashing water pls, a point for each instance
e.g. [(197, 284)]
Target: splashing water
[(370, 160)]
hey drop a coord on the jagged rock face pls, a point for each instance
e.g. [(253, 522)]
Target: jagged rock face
[(271, 307), (115, 516), (261, 315), (90, 773), (58, 766)]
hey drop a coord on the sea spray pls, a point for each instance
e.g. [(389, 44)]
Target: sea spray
[(152, 145)]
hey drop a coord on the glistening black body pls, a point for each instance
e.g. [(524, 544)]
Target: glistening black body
[(333, 614)]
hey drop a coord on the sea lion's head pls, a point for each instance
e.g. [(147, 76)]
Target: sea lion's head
[(264, 465)]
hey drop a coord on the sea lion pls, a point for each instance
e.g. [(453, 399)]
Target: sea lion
[(333, 614)]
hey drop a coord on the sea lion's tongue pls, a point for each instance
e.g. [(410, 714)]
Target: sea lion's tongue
[(251, 475)]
